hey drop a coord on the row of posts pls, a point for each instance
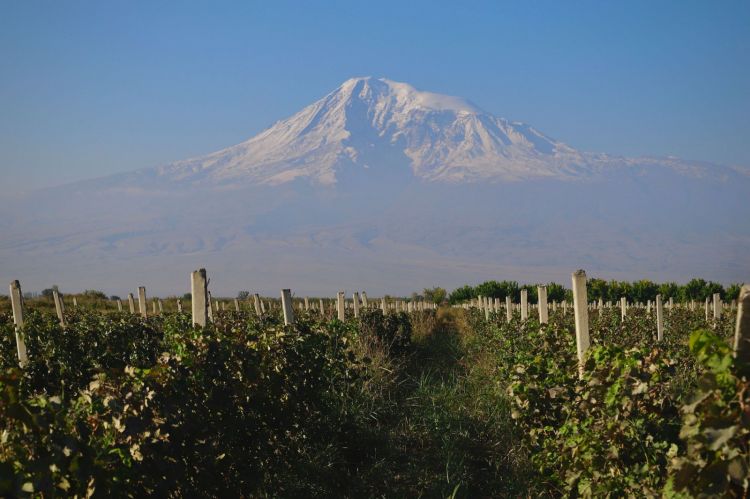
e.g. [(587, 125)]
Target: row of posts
[(202, 310)]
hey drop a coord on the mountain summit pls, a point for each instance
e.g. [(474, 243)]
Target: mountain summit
[(375, 124)]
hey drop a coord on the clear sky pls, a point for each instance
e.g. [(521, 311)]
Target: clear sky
[(92, 88)]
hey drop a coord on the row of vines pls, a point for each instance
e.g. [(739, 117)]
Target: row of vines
[(117, 405), (643, 418)]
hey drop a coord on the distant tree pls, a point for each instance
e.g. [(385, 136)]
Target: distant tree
[(669, 290), (643, 291), (598, 289), (556, 292), (47, 293), (495, 289), (732, 292), (435, 295), (187, 296), (114, 297), (243, 295), (461, 294), (92, 293)]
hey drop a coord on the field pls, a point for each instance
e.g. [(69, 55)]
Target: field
[(453, 402)]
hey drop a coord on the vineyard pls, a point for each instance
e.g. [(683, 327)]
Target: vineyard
[(345, 397)]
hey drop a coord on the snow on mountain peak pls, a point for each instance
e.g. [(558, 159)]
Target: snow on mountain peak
[(377, 124)]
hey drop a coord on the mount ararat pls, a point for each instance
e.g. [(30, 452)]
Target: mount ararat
[(382, 187)]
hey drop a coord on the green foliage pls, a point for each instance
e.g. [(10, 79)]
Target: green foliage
[(715, 426), (461, 294), (435, 295)]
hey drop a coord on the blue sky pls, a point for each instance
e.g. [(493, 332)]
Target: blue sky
[(92, 88)]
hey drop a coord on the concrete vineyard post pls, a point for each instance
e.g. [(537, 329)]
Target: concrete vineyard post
[(706, 309), (256, 304), (322, 310), (524, 304), (199, 289), (508, 308), (340, 310), (16, 302), (119, 305), (307, 303), (717, 306), (179, 306), (742, 329), (383, 305), (543, 313), (581, 312), (153, 307), (355, 300), (263, 307), (161, 306), (236, 305), (623, 308), (75, 302), (364, 299), (142, 305), (131, 303), (286, 304), (659, 319), (59, 307)]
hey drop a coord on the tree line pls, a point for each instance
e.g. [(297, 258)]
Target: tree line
[(612, 290)]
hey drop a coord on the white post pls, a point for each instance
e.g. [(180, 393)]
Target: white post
[(508, 308), (236, 305), (286, 303), (131, 303), (256, 304), (119, 305), (580, 306), (322, 309), (209, 305), (16, 302), (307, 303), (179, 306), (706, 309), (364, 299), (383, 305), (264, 306), (524, 304), (75, 302), (340, 304), (623, 308), (355, 299), (142, 305), (659, 319), (717, 306), (742, 330), (199, 290), (543, 314), (161, 306), (59, 307)]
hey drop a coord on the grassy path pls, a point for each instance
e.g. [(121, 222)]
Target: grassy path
[(449, 433)]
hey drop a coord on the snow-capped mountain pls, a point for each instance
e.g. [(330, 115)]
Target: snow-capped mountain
[(369, 123), (387, 188)]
